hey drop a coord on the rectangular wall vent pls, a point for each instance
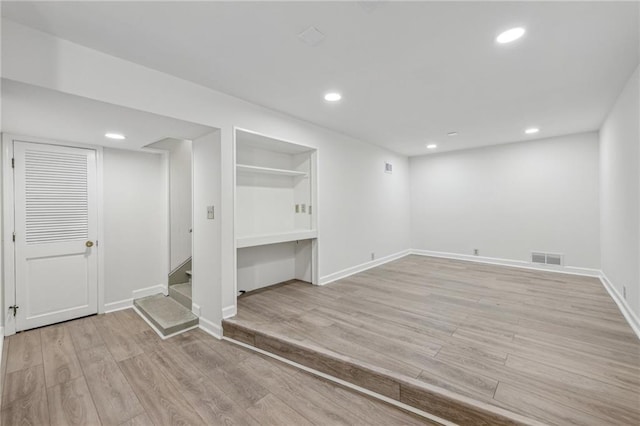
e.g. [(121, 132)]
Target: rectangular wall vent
[(388, 168), (547, 258)]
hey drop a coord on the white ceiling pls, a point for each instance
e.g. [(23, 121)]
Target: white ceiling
[(409, 72), (35, 111)]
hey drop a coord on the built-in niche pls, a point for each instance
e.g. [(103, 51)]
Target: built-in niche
[(275, 211)]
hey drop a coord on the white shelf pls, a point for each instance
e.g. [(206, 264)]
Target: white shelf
[(245, 168), (281, 237)]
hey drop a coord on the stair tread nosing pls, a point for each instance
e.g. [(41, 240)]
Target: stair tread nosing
[(183, 288), (168, 315), (182, 294)]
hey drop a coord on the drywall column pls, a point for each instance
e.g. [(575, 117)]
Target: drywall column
[(207, 232), (620, 196), (228, 255)]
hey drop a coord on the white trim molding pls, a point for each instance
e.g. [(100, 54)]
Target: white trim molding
[(229, 311), (362, 267), (588, 272), (211, 328), (195, 309), (118, 306), (628, 314), (149, 291), (1, 343)]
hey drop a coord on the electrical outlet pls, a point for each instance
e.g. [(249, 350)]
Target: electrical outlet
[(303, 208), (624, 292), (373, 256), (476, 252)]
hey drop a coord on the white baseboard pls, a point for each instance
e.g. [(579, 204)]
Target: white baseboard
[(149, 291), (195, 309), (362, 267), (118, 306), (510, 262), (211, 328), (628, 314), (229, 311)]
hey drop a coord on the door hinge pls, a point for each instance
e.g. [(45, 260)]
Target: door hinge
[(13, 163), (14, 237), (14, 308)]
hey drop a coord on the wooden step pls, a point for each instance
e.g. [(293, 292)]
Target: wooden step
[(166, 314), (424, 396)]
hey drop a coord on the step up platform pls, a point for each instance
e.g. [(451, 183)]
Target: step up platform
[(166, 314), (416, 393), (182, 294)]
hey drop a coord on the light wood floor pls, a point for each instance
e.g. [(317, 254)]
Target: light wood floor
[(551, 347), (113, 369)]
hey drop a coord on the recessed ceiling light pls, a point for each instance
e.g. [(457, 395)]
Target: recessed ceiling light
[(117, 136), (432, 146), (532, 130), (510, 35), (452, 134), (332, 96)]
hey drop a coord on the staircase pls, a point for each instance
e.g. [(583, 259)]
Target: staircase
[(169, 314)]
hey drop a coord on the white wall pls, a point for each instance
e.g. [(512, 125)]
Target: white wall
[(508, 200), (180, 201), (266, 265), (620, 194), (361, 209), (135, 223)]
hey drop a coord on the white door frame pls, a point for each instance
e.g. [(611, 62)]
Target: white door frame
[(8, 200)]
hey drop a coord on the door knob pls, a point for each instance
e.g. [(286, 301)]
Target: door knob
[(89, 244)]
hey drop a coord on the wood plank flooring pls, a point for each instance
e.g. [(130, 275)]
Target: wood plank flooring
[(547, 346), (114, 370)]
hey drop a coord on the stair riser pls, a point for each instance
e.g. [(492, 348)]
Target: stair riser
[(180, 298), (165, 331), (440, 402)]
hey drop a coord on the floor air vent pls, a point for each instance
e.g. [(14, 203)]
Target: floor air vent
[(547, 258)]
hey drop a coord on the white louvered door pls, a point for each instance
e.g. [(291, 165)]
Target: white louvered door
[(55, 221)]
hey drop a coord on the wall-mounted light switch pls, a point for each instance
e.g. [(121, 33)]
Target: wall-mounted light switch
[(210, 212), (303, 208)]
